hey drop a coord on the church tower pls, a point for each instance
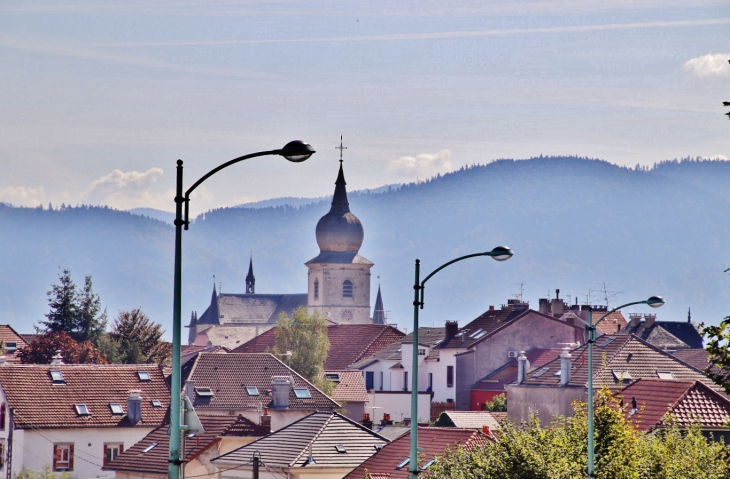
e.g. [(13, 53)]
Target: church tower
[(250, 278), (339, 278)]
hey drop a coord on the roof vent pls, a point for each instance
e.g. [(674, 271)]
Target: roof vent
[(134, 406), (522, 367)]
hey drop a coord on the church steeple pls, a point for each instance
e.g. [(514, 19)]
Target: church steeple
[(250, 278), (379, 312), (213, 311)]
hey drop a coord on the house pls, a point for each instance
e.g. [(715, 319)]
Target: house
[(256, 385), (468, 420), (618, 360), (148, 459), (495, 337), (651, 403), (11, 342), (558, 308), (350, 392), (667, 335), (321, 445), (349, 343), (78, 417), (392, 461)]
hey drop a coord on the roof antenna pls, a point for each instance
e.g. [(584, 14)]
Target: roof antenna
[(340, 148), (689, 315)]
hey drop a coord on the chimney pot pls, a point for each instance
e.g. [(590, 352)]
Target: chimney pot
[(565, 362), (649, 320), (522, 367), (635, 320), (491, 307)]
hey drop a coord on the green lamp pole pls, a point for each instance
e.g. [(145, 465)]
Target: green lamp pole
[(654, 302), (500, 253), (295, 151)]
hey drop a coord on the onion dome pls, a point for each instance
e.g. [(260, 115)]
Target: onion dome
[(340, 230)]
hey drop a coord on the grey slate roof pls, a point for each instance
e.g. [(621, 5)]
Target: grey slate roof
[(289, 446), (668, 334), (339, 257), (242, 309)]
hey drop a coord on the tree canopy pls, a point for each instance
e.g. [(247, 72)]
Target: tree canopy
[(44, 348), (137, 339)]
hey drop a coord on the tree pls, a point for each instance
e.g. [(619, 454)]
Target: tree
[(90, 319), (138, 340), (719, 357), (497, 404), (305, 335), (44, 348)]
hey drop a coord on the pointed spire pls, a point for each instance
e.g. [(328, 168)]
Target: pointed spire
[(689, 315), (193, 333), (250, 278), (339, 200), (379, 313), (213, 312)]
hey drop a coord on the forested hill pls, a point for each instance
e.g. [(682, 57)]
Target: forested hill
[(573, 223)]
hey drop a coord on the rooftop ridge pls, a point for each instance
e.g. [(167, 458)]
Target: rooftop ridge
[(314, 438)]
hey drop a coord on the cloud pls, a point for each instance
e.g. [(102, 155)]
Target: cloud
[(423, 165), (712, 64), (127, 189), (22, 196)]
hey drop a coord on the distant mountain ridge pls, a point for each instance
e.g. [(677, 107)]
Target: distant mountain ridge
[(573, 223)]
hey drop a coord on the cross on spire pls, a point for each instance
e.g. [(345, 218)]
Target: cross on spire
[(340, 148)]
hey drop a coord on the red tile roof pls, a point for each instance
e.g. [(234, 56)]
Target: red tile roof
[(228, 376), (433, 441), (351, 387), (39, 403), (155, 460), (613, 323), (9, 335), (348, 343), (689, 402), (697, 358)]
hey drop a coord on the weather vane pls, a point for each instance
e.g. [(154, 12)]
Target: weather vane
[(340, 148)]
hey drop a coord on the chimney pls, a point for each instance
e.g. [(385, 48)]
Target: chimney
[(544, 305), (58, 358), (452, 327), (649, 320), (366, 421), (635, 320), (134, 406), (521, 367), (190, 390), (565, 367), (280, 386), (557, 306), (265, 419), (491, 307)]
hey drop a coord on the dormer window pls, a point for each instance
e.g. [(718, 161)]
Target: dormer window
[(116, 408), (144, 376), (82, 410), (347, 289), (57, 377), (316, 288)]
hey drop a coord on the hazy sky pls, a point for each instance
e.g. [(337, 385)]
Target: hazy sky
[(99, 99)]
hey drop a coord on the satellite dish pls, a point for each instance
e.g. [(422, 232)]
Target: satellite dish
[(190, 417)]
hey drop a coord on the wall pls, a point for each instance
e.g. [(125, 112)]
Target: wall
[(384, 367), (464, 379), (397, 404), (447, 357), (354, 410), (545, 400), (295, 473), (331, 303), (279, 417)]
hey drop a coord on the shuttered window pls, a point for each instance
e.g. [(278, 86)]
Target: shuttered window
[(111, 451)]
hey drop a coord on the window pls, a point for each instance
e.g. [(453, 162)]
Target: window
[(381, 380), (428, 464), (347, 289), (622, 376), (111, 451), (541, 372), (449, 376), (204, 392), (340, 448), (606, 343), (421, 352), (116, 409), (302, 393), (664, 375), (57, 376), (369, 380), (63, 457), (82, 410), (156, 403), (405, 380), (149, 448), (430, 381), (252, 391), (2, 417), (2, 453), (316, 288), (334, 377), (144, 376), (10, 347), (403, 464)]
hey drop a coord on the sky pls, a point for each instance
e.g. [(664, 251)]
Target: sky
[(100, 98)]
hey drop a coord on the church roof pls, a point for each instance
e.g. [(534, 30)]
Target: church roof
[(667, 334), (243, 309), (379, 311)]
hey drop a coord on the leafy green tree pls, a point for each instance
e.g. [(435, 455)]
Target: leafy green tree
[(90, 319), (497, 404), (717, 338), (138, 339), (305, 335), (44, 473), (44, 348)]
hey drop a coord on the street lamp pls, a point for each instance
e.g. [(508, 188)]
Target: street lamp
[(295, 151), (654, 302), (500, 253)]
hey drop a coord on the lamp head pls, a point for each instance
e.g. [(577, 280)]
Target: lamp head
[(297, 151), (655, 301), (501, 253)]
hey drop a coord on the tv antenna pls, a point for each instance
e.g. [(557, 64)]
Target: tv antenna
[(520, 295), (607, 295)]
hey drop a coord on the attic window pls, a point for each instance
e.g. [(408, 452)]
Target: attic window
[(403, 464), (204, 392), (82, 410), (428, 464), (144, 376), (191, 435), (302, 393), (252, 391), (11, 346), (149, 448), (116, 409), (622, 375), (334, 377), (57, 376), (541, 372), (473, 335), (664, 375), (340, 448), (558, 372), (156, 403), (480, 335), (606, 343)]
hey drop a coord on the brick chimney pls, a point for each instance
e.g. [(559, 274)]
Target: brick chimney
[(649, 320), (452, 327), (544, 305), (522, 366), (557, 306), (280, 386), (565, 361)]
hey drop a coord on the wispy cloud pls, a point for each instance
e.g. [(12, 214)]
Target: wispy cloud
[(126, 189), (22, 196), (712, 64), (424, 165)]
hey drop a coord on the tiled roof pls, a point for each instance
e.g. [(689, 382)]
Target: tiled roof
[(348, 343), (468, 420), (668, 334), (38, 402), (697, 358), (229, 336), (621, 353), (351, 386), (9, 335), (507, 374), (689, 402), (428, 336), (155, 460), (228, 376), (432, 440), (613, 323), (290, 445), (252, 308)]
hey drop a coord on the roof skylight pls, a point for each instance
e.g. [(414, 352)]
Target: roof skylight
[(428, 464), (606, 343), (473, 335), (334, 377), (156, 403), (340, 448), (82, 410), (541, 372), (302, 393), (621, 375), (403, 464), (664, 375), (149, 448), (204, 392), (144, 376), (57, 376), (252, 391), (116, 409)]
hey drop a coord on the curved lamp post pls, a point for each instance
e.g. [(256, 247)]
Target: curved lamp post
[(654, 302), (295, 151), (500, 253)]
